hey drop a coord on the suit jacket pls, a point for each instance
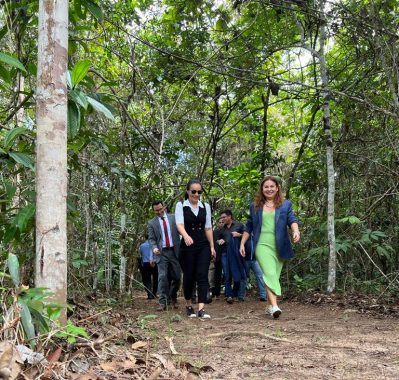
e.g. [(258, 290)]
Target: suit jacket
[(155, 236), (284, 216)]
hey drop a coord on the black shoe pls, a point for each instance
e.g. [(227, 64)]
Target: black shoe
[(262, 299), (190, 312), (240, 299), (229, 300), (150, 297), (203, 314)]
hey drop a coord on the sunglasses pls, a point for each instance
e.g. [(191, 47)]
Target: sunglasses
[(199, 192)]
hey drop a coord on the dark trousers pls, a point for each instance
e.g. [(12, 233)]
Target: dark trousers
[(149, 276), (195, 265), (229, 291), (169, 274), (218, 278)]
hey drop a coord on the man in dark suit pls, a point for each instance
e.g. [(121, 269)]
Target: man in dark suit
[(165, 243)]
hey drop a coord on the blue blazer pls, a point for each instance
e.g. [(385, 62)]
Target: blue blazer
[(284, 217)]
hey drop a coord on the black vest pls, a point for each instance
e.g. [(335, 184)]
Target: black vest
[(195, 225)]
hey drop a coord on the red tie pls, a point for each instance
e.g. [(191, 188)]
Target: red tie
[(165, 230)]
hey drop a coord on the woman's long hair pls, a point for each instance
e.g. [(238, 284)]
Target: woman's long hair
[(192, 182), (260, 199)]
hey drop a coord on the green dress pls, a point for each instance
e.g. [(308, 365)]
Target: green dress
[(267, 255)]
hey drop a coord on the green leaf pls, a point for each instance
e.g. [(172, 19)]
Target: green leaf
[(12, 61), (382, 252), (22, 158), (79, 71), (32, 69), (73, 120), (11, 135), (10, 190), (5, 74), (13, 268), (4, 31), (27, 323), (94, 9), (40, 321), (99, 107), (221, 25), (9, 233), (24, 216), (79, 98), (54, 312)]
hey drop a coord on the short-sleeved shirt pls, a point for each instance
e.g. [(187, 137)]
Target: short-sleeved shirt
[(180, 217)]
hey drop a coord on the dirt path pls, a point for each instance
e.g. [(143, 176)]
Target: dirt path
[(241, 342)]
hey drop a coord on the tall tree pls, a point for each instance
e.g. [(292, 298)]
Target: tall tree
[(326, 95), (51, 148)]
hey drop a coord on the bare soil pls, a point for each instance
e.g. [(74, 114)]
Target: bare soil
[(317, 338)]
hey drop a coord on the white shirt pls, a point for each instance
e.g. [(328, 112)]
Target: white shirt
[(179, 216), (163, 231)]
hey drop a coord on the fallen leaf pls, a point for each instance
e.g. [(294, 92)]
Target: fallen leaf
[(139, 344), (10, 360), (166, 363), (6, 356), (85, 376), (155, 374), (55, 356), (127, 364), (79, 364), (110, 366)]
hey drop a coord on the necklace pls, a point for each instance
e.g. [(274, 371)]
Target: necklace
[(269, 205)]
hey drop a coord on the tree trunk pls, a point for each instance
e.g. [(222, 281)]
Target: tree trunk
[(265, 101), (88, 216), (122, 240), (325, 92), (108, 252), (51, 149)]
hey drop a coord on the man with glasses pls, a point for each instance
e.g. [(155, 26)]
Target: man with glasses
[(165, 243)]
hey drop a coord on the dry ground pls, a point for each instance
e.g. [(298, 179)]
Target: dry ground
[(309, 341)]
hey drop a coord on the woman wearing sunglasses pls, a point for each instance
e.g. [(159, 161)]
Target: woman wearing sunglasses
[(193, 221)]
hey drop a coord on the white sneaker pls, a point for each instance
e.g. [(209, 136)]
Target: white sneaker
[(269, 310), (275, 312)]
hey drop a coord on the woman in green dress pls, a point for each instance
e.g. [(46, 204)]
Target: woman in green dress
[(269, 217)]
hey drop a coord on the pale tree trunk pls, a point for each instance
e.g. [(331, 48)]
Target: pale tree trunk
[(325, 92), (122, 239), (123, 258), (51, 149), (108, 253), (95, 266), (265, 101), (88, 215)]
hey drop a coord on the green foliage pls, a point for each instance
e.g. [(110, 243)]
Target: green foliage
[(142, 321), (71, 332), (79, 71), (12, 61), (13, 268), (38, 315)]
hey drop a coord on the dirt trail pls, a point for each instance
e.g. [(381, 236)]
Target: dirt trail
[(307, 342)]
